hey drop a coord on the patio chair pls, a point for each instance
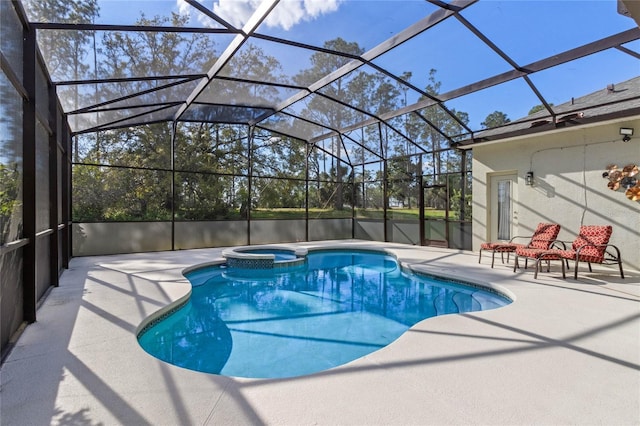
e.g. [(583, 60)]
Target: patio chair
[(542, 238), (591, 246)]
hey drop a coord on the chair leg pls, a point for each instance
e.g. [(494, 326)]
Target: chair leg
[(618, 259), (480, 256), (589, 263), (575, 272), (539, 267), (535, 268), (515, 263)]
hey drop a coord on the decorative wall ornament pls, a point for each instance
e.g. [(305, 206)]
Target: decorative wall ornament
[(625, 179)]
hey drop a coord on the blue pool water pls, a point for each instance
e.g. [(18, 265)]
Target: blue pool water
[(341, 306)]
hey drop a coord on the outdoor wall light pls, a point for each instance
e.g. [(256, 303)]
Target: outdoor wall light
[(529, 178), (627, 132)]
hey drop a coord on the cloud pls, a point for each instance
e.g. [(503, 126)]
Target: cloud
[(285, 15), (183, 7), (236, 12)]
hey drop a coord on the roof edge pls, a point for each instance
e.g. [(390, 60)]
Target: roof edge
[(578, 123)]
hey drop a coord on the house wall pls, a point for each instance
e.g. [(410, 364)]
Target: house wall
[(568, 185)]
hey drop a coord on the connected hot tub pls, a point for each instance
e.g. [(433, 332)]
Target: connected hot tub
[(265, 257)]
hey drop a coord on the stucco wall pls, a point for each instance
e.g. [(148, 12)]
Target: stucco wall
[(569, 188)]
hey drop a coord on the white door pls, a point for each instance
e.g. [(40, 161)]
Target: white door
[(503, 218)]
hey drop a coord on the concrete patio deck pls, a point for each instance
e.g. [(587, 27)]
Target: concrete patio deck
[(565, 352)]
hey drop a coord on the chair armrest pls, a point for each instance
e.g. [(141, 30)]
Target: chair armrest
[(521, 236), (557, 244), (606, 252)]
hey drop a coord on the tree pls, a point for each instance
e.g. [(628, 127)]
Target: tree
[(140, 187), (495, 119), (64, 50), (440, 161), (324, 110), (402, 174), (440, 158), (10, 203), (11, 164), (537, 108)]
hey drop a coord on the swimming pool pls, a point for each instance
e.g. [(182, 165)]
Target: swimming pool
[(341, 306)]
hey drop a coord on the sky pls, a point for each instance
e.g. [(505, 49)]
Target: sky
[(526, 30)]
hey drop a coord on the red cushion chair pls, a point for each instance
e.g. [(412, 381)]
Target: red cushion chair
[(542, 238), (591, 246)]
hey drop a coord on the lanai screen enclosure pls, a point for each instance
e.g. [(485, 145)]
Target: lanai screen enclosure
[(160, 125)]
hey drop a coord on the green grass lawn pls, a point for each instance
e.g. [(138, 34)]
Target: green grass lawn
[(414, 214), (293, 213), (396, 213)]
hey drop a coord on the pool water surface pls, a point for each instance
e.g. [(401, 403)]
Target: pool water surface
[(343, 305)]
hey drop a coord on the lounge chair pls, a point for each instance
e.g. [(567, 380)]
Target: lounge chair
[(542, 238), (591, 246)]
